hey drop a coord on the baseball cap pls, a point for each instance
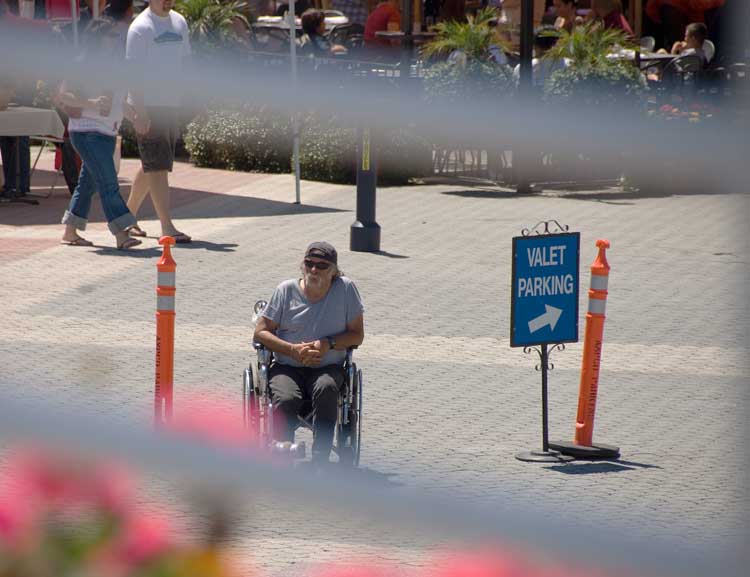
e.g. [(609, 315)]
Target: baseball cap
[(322, 250)]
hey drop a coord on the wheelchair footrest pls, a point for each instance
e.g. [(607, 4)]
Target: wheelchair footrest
[(293, 450)]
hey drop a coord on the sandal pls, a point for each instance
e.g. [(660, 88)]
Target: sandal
[(136, 230), (181, 238), (128, 244), (77, 242)]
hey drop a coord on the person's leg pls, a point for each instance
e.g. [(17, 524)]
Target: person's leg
[(157, 158), (69, 164), (325, 384), (138, 192), (76, 217), (8, 151), (24, 150), (158, 186), (286, 392), (98, 157)]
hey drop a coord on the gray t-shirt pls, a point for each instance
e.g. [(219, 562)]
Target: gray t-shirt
[(301, 321)]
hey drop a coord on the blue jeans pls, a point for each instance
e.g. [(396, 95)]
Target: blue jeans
[(9, 147), (97, 174)]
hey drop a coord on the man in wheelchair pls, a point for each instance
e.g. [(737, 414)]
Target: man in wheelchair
[(309, 324)]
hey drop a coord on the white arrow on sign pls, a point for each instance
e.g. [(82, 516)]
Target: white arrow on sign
[(550, 317)]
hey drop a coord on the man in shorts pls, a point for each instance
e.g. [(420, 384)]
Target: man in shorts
[(309, 323), (158, 41)]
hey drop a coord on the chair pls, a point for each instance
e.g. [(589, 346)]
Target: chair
[(682, 72), (270, 39), (257, 405), (347, 34), (60, 9), (709, 50), (648, 43)]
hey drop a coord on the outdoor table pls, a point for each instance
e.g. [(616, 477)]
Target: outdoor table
[(41, 123), (283, 23), (415, 37), (646, 59)]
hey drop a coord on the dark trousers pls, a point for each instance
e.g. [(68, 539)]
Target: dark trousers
[(9, 147), (291, 386)]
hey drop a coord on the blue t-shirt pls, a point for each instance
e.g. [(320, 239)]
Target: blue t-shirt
[(301, 321)]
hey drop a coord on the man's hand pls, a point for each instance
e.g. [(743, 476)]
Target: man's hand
[(322, 345), (678, 47), (307, 354)]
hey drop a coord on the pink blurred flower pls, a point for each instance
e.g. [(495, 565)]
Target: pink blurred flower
[(144, 537), (212, 420), (479, 564), (111, 488), (18, 517), (353, 570)]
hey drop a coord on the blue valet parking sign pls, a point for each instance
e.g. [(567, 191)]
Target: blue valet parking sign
[(544, 301)]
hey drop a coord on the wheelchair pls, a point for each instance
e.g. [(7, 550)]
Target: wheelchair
[(258, 414)]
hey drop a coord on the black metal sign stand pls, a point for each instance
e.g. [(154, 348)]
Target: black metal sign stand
[(546, 455), (364, 233)]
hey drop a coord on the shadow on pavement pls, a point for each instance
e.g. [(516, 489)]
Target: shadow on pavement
[(482, 193), (588, 467), (185, 203), (371, 477), (212, 246), (137, 252), (387, 254)]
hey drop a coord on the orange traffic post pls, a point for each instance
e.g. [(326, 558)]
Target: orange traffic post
[(583, 446), (165, 293)]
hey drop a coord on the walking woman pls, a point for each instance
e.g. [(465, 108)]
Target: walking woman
[(94, 123)]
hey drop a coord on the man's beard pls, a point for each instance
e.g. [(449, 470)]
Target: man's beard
[(315, 281)]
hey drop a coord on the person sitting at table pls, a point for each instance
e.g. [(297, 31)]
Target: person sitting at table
[(385, 17), (566, 15), (609, 12), (93, 125), (695, 36), (314, 40), (18, 182), (541, 67)]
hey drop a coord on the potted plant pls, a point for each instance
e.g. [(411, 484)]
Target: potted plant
[(595, 70)]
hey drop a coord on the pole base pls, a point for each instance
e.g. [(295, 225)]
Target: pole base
[(595, 451), (365, 237), (543, 457)]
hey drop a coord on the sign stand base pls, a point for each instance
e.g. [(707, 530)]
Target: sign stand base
[(595, 451), (543, 457)]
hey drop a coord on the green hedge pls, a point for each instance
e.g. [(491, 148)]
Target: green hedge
[(260, 139)]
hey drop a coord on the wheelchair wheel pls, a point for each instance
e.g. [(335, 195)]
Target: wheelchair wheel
[(250, 405), (348, 435), (356, 416)]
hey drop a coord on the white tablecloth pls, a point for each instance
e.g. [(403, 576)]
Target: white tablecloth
[(279, 22), (26, 121)]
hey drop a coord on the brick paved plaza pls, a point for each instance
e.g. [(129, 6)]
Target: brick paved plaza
[(448, 403)]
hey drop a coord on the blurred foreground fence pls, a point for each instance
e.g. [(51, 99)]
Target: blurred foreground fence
[(226, 469)]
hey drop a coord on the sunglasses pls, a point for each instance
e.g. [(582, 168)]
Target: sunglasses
[(311, 264)]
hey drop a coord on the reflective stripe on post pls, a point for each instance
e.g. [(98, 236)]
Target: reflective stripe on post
[(592, 347), (165, 313)]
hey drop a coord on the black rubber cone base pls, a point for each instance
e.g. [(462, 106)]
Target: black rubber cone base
[(595, 451), (543, 457)]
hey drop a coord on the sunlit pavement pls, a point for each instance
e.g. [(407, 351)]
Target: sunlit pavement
[(448, 403)]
